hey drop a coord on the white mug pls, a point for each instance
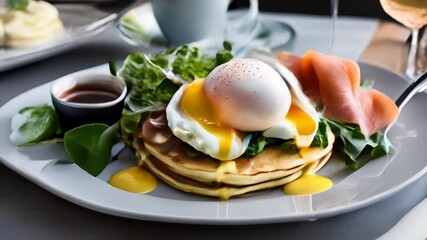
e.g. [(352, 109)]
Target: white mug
[(187, 21)]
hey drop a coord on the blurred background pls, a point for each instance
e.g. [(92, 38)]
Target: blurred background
[(365, 8)]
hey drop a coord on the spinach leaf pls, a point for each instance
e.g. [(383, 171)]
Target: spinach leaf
[(321, 137), (355, 144), (258, 142), (33, 125), (89, 146)]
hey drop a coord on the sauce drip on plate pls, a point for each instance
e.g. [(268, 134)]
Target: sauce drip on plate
[(308, 183), (134, 179)]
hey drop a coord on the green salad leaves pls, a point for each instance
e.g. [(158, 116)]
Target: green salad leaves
[(145, 75), (354, 143), (357, 148)]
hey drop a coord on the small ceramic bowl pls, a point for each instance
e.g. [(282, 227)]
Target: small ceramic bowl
[(84, 98)]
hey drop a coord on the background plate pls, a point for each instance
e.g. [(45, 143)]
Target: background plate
[(78, 27), (353, 190)]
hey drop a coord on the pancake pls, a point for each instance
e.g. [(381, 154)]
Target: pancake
[(222, 191), (165, 155)]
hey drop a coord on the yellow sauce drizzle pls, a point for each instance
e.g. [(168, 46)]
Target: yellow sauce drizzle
[(308, 183), (224, 193), (224, 168), (134, 179), (195, 104)]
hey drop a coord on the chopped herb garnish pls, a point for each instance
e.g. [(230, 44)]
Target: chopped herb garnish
[(18, 4)]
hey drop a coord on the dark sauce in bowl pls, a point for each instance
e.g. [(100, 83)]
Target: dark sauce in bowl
[(81, 99), (90, 93)]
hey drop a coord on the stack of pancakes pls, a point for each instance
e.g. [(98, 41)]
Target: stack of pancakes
[(165, 156)]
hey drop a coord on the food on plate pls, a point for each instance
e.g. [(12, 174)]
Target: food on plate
[(335, 82), (224, 127), (27, 23), (217, 117), (135, 179), (169, 159)]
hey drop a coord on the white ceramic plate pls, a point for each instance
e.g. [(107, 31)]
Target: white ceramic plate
[(78, 27), (352, 190)]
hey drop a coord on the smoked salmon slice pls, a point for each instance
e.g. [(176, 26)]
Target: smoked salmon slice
[(335, 82)]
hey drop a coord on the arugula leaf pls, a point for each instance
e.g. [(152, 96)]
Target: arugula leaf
[(18, 4), (143, 79), (165, 90), (34, 125), (355, 143), (189, 64), (89, 146)]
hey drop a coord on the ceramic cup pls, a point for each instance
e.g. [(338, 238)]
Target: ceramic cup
[(187, 21), (88, 98)]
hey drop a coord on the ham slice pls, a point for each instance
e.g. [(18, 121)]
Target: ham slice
[(335, 82)]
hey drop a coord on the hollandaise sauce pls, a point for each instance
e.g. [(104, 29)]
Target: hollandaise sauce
[(134, 179), (224, 168), (308, 183), (224, 193)]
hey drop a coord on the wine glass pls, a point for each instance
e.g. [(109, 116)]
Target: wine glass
[(258, 33), (334, 15), (412, 14)]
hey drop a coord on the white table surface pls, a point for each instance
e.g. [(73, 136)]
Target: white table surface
[(29, 212)]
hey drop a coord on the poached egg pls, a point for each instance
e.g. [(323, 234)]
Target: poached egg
[(215, 115)]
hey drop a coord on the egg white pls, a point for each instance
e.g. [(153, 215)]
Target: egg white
[(285, 129), (191, 132)]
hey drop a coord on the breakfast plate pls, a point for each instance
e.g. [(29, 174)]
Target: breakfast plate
[(78, 27), (47, 166)]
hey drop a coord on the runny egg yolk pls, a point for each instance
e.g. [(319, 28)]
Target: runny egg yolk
[(195, 104), (304, 123)]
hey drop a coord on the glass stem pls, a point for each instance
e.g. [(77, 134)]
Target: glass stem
[(411, 67), (334, 13)]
